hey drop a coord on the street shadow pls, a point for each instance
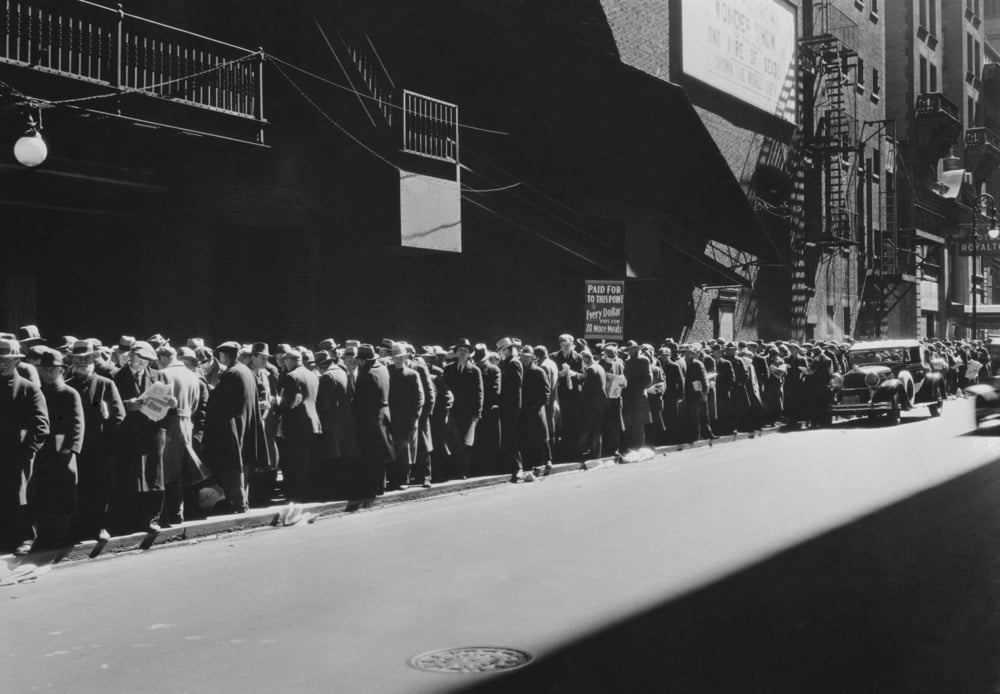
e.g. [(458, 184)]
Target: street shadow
[(906, 599)]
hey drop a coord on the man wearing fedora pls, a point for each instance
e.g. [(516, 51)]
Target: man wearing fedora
[(55, 472), (339, 441), (533, 434), (299, 429), (103, 414), (465, 381), (234, 434), (511, 382), (487, 445), (614, 422), (140, 460), (406, 401), (570, 366), (371, 411), (182, 466), (635, 404), (24, 427), (696, 425), (262, 481), (211, 367)]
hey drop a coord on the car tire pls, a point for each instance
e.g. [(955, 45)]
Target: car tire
[(893, 415)]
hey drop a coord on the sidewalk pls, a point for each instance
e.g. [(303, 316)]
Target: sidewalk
[(278, 516)]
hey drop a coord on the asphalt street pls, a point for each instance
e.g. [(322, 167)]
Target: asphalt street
[(850, 559)]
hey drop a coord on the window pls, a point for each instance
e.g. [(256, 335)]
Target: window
[(971, 116), (847, 320), (968, 53), (923, 12), (976, 60), (860, 71), (923, 75), (877, 84), (933, 26), (934, 87), (875, 7), (876, 163)]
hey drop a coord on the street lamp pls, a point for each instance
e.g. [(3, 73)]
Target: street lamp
[(30, 149), (989, 202)]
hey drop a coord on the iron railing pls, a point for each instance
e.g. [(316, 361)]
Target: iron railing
[(107, 47), (430, 127), (935, 102)]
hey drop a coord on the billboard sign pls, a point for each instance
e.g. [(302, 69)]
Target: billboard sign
[(604, 310), (745, 48), (985, 248)]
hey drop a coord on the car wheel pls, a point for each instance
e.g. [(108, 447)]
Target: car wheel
[(893, 415)]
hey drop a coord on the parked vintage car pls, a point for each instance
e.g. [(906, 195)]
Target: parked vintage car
[(887, 377)]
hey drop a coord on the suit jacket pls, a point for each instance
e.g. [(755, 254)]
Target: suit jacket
[(234, 432), (430, 402), (406, 400), (297, 406), (336, 415), (575, 363), (371, 411), (467, 388), (511, 380)]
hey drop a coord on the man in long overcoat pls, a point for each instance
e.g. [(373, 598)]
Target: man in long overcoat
[(103, 414), (465, 382), (487, 447), (22, 411), (534, 431), (724, 379), (339, 440), (569, 363), (371, 412), (422, 468), (182, 466), (511, 380), (140, 459), (55, 473), (300, 427), (406, 402), (234, 434)]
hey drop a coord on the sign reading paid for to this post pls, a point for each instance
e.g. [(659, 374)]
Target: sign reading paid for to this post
[(604, 310)]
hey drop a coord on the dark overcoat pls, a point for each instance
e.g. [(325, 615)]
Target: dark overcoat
[(406, 401), (24, 426), (55, 473), (635, 404), (336, 416), (234, 432), (371, 411), (103, 414), (466, 386)]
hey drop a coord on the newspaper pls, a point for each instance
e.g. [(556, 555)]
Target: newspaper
[(615, 385), (156, 401)]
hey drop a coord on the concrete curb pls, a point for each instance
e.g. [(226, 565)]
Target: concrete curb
[(271, 517)]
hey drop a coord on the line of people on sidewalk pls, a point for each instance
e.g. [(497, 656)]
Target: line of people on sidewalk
[(142, 435)]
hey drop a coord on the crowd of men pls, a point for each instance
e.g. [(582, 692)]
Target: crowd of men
[(102, 439)]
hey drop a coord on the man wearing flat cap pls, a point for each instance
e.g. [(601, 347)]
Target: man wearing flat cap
[(614, 422), (533, 435), (103, 414), (140, 461), (465, 382), (262, 481), (234, 443), (24, 427), (182, 466)]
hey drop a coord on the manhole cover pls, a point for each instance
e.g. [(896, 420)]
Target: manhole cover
[(472, 659)]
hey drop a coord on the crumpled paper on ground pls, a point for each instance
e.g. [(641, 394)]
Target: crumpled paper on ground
[(294, 514)]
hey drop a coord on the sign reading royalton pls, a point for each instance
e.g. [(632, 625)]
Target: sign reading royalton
[(745, 48)]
